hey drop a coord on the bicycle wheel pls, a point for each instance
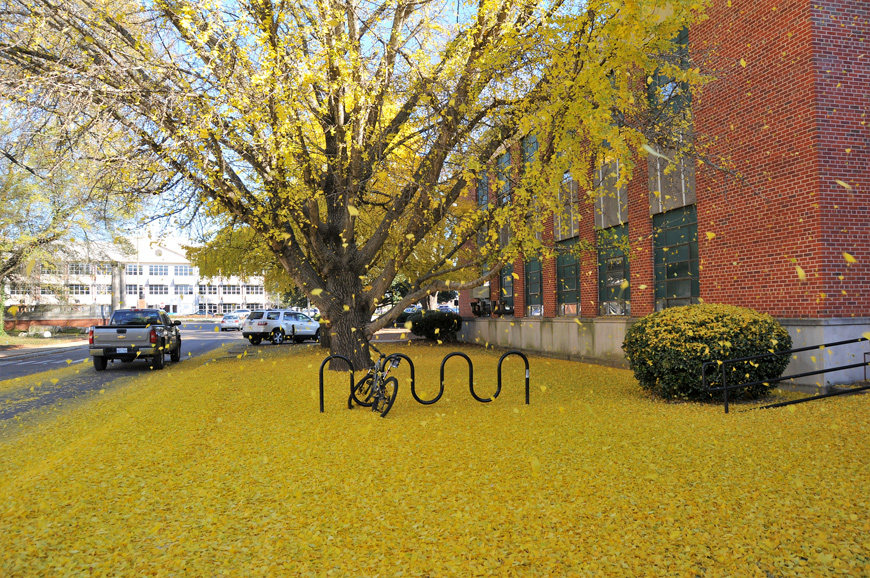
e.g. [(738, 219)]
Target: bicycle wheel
[(385, 398), (362, 391)]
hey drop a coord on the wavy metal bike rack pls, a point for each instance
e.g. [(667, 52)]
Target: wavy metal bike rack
[(350, 365), (441, 383), (525, 360)]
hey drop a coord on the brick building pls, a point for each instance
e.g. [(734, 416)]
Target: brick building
[(789, 109)]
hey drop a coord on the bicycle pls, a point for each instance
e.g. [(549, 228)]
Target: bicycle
[(376, 389)]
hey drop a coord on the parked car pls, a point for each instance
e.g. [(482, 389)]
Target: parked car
[(278, 325), (231, 321), (242, 313), (133, 334)]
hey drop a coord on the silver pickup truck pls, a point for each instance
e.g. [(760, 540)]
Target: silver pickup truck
[(135, 334)]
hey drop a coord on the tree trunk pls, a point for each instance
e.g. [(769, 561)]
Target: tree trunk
[(347, 338)]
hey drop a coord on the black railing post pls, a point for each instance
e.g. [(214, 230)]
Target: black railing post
[(322, 365)]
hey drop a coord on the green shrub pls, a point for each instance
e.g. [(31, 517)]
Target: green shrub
[(401, 319), (433, 325), (666, 349)]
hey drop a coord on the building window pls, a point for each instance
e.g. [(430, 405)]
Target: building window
[(184, 289), (675, 240), (566, 225), (507, 288), (483, 189), (611, 203), (134, 269), (208, 290), (54, 290), (568, 280), (79, 269), (102, 289), (103, 268), (49, 269), (534, 289), (614, 293), (134, 289), (232, 290), (184, 271), (529, 145), (158, 289), (253, 289), (158, 270), (212, 308), (79, 289), (503, 174), (228, 307)]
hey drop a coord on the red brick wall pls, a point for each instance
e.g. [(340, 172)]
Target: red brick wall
[(841, 43), (640, 230), (771, 112)]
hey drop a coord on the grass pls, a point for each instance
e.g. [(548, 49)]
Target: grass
[(227, 467), (13, 341)]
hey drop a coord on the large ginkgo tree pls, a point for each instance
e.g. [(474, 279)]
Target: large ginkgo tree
[(346, 134)]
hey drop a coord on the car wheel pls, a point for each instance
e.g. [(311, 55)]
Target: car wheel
[(277, 337), (176, 353), (100, 363), (254, 340), (317, 336), (158, 361)]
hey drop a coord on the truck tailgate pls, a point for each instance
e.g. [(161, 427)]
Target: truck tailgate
[(108, 336)]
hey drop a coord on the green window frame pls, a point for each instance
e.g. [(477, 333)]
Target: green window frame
[(483, 190), (534, 289), (568, 280), (614, 296), (675, 240), (506, 293)]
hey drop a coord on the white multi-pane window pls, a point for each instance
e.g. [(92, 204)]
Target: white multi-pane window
[(133, 289), (16, 289), (158, 289), (158, 270), (232, 290), (566, 225), (79, 268), (79, 289), (255, 306), (134, 269), (184, 289), (51, 290), (49, 269), (228, 307), (208, 290), (185, 271), (102, 289), (103, 268), (253, 289)]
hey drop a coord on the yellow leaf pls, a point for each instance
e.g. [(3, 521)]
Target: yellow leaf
[(408, 325), (13, 310), (641, 287), (843, 184), (624, 284), (216, 329), (316, 292), (849, 258), (655, 153), (742, 63), (352, 210), (800, 273), (710, 236)]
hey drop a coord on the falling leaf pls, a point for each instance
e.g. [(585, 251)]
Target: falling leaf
[(316, 292), (742, 63), (352, 210), (710, 236), (655, 153), (800, 273), (849, 258), (844, 184)]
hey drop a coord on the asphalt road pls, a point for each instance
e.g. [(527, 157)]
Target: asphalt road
[(196, 339)]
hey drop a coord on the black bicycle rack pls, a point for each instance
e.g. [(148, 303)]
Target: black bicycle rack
[(725, 388), (350, 365), (441, 384)]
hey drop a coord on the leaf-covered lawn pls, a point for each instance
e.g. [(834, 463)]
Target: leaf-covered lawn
[(229, 469)]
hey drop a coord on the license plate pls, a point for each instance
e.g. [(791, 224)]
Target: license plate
[(121, 350)]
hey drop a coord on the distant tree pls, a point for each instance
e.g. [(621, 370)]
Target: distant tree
[(345, 134)]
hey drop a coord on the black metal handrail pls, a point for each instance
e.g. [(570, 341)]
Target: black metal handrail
[(726, 388)]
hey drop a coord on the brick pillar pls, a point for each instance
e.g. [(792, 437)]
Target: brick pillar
[(548, 273), (589, 258), (640, 231), (465, 303), (519, 288)]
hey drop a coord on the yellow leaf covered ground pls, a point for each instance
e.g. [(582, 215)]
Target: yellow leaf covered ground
[(229, 469)]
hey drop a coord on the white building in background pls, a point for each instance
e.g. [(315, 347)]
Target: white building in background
[(155, 274)]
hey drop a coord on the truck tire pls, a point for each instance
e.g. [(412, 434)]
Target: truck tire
[(277, 337), (158, 360), (100, 363), (255, 340), (176, 353)]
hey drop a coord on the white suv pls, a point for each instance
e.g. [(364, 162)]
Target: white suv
[(279, 325)]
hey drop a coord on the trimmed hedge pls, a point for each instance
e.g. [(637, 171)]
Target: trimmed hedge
[(435, 325), (666, 349)]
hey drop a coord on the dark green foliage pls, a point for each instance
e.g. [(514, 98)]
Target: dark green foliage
[(435, 325), (666, 349)]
